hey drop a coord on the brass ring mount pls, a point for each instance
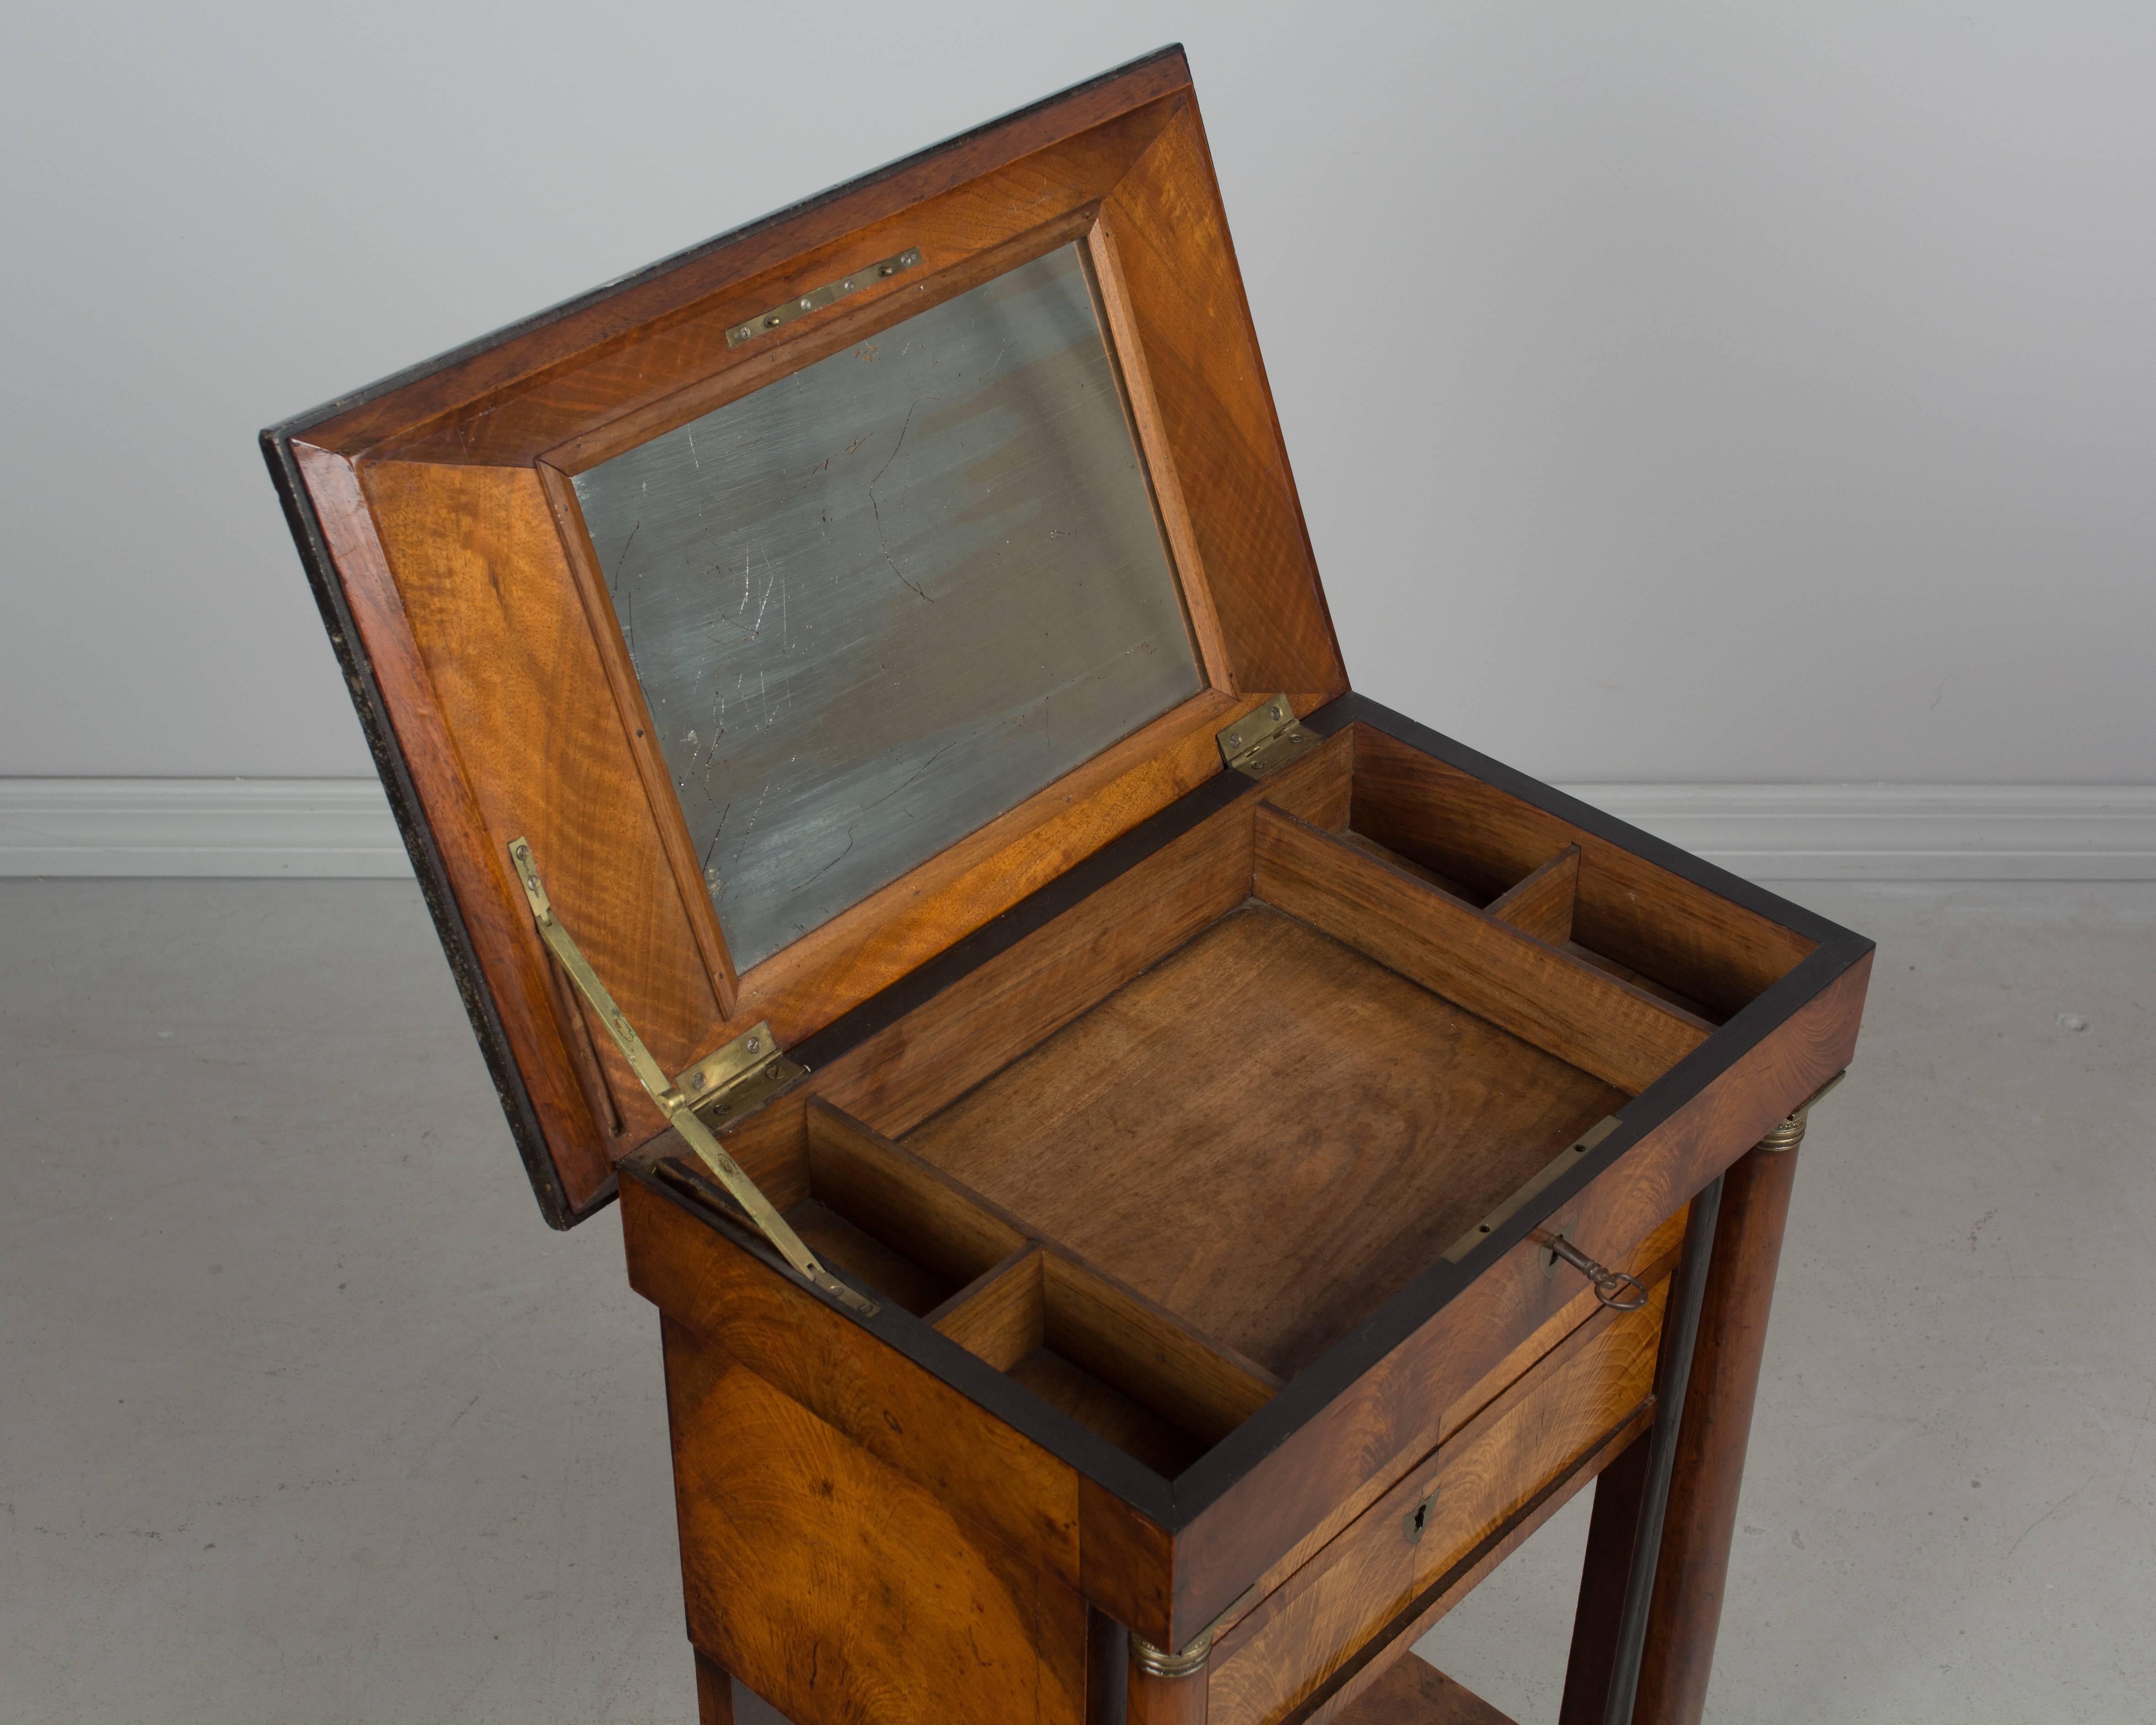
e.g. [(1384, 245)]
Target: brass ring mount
[(1159, 1662)]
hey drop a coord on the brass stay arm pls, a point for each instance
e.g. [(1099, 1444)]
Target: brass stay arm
[(680, 1114)]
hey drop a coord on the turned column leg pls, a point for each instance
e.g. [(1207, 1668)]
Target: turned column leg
[(1621, 1493), (1107, 1669), (1702, 1516), (715, 1692), (1617, 1582), (1168, 1688)]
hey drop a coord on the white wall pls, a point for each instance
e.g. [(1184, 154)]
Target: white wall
[(1678, 393)]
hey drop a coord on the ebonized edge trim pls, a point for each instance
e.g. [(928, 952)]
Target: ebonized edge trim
[(418, 836)]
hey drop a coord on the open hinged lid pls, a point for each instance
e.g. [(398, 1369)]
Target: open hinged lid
[(805, 601)]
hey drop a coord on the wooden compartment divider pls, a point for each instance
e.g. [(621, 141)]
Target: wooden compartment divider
[(1021, 1294), (1150, 1355), (1542, 904), (885, 1188), (1621, 1034), (1002, 1316), (1647, 919)]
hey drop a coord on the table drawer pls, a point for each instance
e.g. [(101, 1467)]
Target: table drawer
[(1357, 1585)]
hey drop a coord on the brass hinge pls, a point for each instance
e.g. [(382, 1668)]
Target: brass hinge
[(1264, 739), (749, 1067)]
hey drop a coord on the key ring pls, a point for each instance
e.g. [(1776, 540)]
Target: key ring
[(1607, 1282)]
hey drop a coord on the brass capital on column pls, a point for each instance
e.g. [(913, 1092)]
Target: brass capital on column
[(1159, 1662), (1789, 1134)]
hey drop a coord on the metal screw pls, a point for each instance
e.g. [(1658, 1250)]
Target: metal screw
[(752, 1045)]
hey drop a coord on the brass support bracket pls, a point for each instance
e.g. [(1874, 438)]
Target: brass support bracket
[(1265, 738), (749, 1058)]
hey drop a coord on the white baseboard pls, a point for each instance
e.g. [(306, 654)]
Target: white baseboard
[(255, 828), (1900, 832), (340, 828)]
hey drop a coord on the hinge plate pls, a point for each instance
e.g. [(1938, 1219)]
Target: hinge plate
[(1264, 739), (816, 299), (739, 1078)]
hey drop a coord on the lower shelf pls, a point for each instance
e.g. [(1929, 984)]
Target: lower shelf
[(1413, 1692)]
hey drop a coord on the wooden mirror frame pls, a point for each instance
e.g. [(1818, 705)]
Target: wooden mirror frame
[(447, 551)]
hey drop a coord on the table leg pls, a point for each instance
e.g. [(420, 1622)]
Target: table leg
[(715, 1692), (1610, 1633), (1717, 1424), (1107, 1669), (1621, 1491), (1167, 1688)]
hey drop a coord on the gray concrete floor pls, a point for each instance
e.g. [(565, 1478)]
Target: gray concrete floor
[(306, 1415)]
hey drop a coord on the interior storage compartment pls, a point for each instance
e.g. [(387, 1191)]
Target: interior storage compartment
[(1158, 1155)]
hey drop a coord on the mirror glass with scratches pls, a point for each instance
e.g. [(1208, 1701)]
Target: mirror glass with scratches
[(880, 602)]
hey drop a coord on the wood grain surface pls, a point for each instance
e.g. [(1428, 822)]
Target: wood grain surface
[(1199, 348), (1542, 905), (980, 1023), (1004, 1316), (1646, 918), (1619, 1497), (1271, 1501), (517, 679), (715, 1692), (1165, 1700), (464, 469), (1362, 1673), (1582, 1015), (1266, 1133), (1656, 1257), (1285, 1648), (885, 1187), (839, 1244), (1413, 1691), (736, 1308), (843, 1591), (513, 966)]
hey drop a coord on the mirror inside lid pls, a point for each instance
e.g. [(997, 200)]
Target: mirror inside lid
[(876, 604)]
